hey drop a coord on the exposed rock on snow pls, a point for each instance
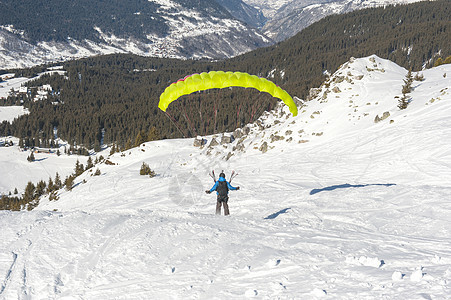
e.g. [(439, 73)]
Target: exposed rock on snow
[(227, 139), (238, 133), (213, 142), (336, 90), (199, 142), (385, 115), (264, 147), (339, 105), (275, 138)]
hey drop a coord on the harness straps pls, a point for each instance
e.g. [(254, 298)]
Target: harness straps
[(222, 188)]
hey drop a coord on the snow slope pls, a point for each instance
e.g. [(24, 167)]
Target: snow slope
[(17, 171), (338, 207), (9, 113)]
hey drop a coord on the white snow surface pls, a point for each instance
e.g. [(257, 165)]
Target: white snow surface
[(9, 113), (341, 208), (17, 171)]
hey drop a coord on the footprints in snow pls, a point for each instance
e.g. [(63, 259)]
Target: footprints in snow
[(416, 276), (365, 261)]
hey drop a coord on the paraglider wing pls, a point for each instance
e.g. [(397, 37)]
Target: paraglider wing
[(221, 79)]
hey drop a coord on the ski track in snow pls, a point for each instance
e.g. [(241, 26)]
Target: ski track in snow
[(362, 211)]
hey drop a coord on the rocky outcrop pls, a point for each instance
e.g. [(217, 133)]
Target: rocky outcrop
[(199, 142), (213, 143), (385, 115), (264, 147), (227, 139)]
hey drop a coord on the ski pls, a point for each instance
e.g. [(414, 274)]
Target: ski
[(212, 175), (233, 175)]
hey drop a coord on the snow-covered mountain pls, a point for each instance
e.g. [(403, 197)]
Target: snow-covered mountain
[(244, 12), (269, 8), (158, 28), (348, 199), (286, 18)]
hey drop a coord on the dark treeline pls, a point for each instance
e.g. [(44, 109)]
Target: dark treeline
[(116, 96)]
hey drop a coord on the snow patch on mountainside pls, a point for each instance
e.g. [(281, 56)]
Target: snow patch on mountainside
[(166, 4), (269, 8)]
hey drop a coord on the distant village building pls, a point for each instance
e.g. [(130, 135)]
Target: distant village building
[(23, 90), (43, 150)]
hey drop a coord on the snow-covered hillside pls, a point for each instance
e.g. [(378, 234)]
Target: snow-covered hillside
[(286, 18), (332, 205), (9, 113)]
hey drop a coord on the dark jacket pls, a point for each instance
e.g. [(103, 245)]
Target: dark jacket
[(217, 183)]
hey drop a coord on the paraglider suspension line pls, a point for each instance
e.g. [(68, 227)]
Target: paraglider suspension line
[(175, 124), (190, 126)]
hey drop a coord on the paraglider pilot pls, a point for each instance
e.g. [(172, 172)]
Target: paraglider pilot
[(222, 187)]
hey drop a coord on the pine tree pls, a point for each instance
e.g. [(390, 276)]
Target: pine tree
[(145, 170), (153, 134), (89, 164), (79, 168), (31, 157), (140, 138), (403, 102), (50, 186), (438, 62), (407, 87), (29, 192), (97, 147), (128, 145), (58, 183), (419, 77), (40, 189), (113, 149), (69, 182)]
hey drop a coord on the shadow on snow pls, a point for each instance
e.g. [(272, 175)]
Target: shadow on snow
[(346, 186), (275, 215)]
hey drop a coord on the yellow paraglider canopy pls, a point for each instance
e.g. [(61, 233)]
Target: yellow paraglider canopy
[(220, 79)]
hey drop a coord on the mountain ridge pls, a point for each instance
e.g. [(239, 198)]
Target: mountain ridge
[(35, 32)]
